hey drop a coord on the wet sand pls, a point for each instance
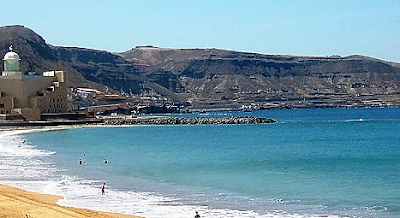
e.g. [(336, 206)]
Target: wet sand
[(17, 203)]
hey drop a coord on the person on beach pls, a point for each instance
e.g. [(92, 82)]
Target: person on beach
[(197, 215), (103, 187)]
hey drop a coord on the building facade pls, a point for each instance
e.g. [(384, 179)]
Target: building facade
[(28, 96)]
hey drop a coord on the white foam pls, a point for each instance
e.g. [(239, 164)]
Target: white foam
[(13, 143), (87, 194), (20, 161)]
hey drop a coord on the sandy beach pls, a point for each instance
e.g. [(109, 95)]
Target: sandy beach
[(17, 203)]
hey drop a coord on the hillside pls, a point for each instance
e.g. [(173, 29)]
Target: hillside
[(36, 54), (213, 78)]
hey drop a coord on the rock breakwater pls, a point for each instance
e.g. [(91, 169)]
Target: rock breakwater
[(186, 120)]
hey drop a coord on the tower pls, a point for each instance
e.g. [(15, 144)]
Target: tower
[(11, 64)]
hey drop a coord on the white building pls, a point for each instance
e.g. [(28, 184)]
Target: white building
[(28, 96)]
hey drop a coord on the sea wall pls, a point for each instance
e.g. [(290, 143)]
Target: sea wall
[(186, 120)]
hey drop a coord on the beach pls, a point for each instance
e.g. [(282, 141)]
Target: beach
[(310, 164), (18, 203)]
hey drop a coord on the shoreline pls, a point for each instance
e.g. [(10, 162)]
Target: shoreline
[(17, 203), (347, 119)]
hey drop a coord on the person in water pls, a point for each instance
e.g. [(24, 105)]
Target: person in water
[(105, 161), (197, 215), (80, 161), (103, 187)]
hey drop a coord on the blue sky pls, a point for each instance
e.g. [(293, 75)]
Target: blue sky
[(288, 27)]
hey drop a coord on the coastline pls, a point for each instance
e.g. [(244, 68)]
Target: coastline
[(16, 203), (19, 201), (171, 207)]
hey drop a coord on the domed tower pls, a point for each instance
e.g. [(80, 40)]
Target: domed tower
[(11, 63), (29, 96)]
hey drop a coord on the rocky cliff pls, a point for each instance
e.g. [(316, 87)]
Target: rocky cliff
[(211, 76)]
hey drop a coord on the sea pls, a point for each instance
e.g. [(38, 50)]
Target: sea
[(330, 163)]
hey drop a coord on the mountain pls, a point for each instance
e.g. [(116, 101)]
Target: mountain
[(213, 78), (207, 77)]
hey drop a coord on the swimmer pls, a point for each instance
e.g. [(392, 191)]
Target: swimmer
[(105, 161)]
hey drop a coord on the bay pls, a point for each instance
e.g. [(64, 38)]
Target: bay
[(311, 163)]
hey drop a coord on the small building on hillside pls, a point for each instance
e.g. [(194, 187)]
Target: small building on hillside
[(28, 96)]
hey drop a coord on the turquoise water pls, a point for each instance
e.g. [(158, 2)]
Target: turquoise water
[(312, 163)]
